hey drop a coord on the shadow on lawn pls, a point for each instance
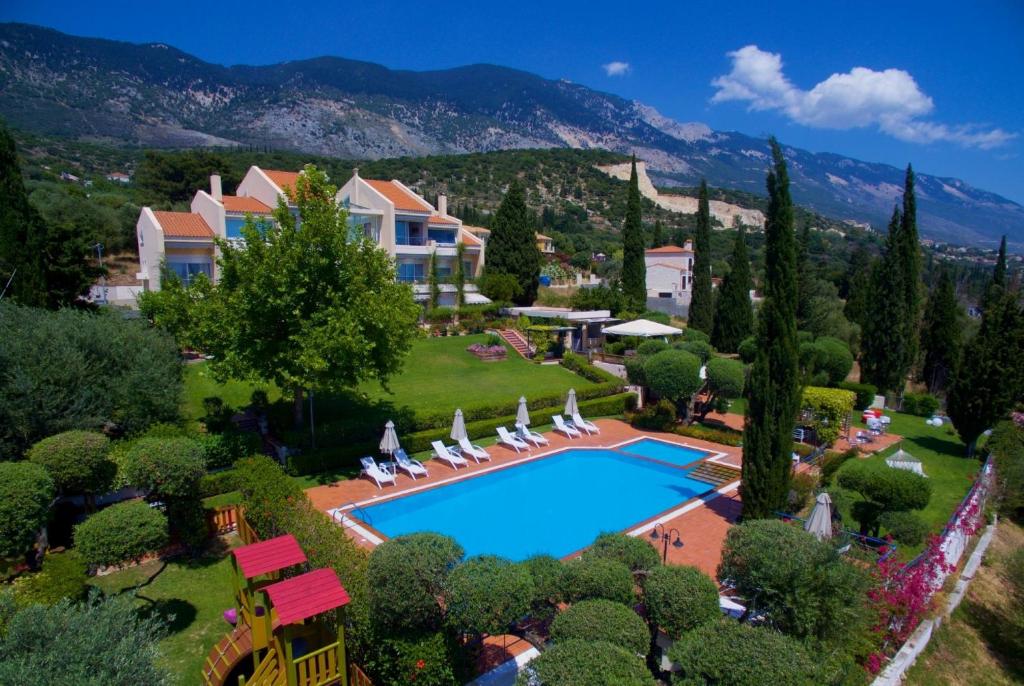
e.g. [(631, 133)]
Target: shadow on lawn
[(943, 446), (174, 613), (1006, 645)]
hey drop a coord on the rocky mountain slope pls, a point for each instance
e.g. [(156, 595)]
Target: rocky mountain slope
[(156, 95)]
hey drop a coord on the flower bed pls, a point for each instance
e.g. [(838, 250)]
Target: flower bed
[(488, 353)]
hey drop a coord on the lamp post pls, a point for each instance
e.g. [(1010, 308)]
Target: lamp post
[(666, 535)]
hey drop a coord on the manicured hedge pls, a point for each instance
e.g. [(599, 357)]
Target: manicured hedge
[(122, 532), (312, 462), (167, 467), (586, 663), (633, 551), (602, 620), (704, 432), (594, 577), (679, 599)]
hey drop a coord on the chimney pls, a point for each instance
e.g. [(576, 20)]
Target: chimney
[(215, 189), (442, 205)]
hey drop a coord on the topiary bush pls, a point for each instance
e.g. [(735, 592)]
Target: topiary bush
[(702, 349), (727, 653), (407, 574), (63, 576), (26, 491), (661, 416), (748, 349), (633, 551), (920, 404), (76, 461), (884, 489), (586, 663), (598, 578), (691, 335), (865, 393), (167, 467), (673, 374), (906, 527), (120, 533), (486, 594), (651, 347), (679, 599), (548, 576), (602, 620)]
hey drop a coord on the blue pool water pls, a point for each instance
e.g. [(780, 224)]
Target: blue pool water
[(666, 452), (555, 505)]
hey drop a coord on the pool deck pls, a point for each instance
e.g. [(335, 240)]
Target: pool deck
[(703, 523)]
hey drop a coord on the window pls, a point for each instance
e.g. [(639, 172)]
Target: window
[(188, 271), (363, 225), (410, 272), (142, 241), (233, 225), (664, 295), (442, 236), (444, 272), (467, 269), (408, 233)]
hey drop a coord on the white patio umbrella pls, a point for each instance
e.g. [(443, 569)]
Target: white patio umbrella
[(389, 442), (819, 524), (570, 404), (458, 427), (522, 414)]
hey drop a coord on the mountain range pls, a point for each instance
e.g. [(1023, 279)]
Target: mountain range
[(158, 96)]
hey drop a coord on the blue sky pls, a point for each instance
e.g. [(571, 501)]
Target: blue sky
[(937, 83)]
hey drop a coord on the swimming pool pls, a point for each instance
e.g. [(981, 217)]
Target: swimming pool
[(554, 505), (679, 455)]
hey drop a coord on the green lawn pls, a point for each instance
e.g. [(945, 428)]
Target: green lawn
[(194, 593), (943, 458)]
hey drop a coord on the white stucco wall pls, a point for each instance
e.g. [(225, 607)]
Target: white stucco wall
[(258, 185), (150, 238)]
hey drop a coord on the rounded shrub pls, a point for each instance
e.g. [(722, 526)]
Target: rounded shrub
[(833, 357), (167, 467), (548, 576), (691, 335), (633, 551), (602, 620), (673, 374), (486, 594), (63, 576), (120, 533), (26, 491), (660, 416), (748, 349), (906, 527), (727, 653), (679, 599), (407, 575), (595, 577), (586, 663), (651, 347), (76, 460), (702, 349)]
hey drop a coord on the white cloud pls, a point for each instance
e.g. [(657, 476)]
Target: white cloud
[(616, 68), (890, 100)]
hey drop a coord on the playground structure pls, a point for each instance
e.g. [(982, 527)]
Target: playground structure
[(291, 628)]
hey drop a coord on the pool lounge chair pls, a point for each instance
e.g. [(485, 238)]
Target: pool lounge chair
[(449, 455), (413, 468), (560, 425), (474, 451), (505, 438), (379, 475), (524, 434), (579, 422)]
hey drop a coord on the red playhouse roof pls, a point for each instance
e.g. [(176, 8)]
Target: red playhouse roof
[(269, 556), (306, 595)]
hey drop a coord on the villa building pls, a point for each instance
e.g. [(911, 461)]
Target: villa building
[(669, 278), (401, 222), (545, 244)]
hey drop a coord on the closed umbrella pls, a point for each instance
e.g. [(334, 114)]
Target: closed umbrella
[(459, 427), (522, 414), (819, 524), (570, 404), (389, 443)]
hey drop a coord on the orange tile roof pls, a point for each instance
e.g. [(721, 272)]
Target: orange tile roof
[(542, 237), (241, 203), (478, 230), (666, 249), (438, 219), (399, 197), (183, 225), (282, 179), (469, 239)]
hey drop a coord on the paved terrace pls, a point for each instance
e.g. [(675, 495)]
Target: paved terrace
[(703, 524)]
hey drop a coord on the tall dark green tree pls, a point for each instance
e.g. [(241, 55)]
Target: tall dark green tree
[(512, 248), (805, 277), (773, 393), (996, 287), (702, 305), (734, 316), (678, 236), (910, 265), (989, 377), (940, 335), (884, 342), (658, 236), (434, 279), (857, 287), (634, 270)]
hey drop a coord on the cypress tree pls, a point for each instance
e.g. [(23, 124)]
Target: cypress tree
[(678, 237), (804, 277), (512, 248), (701, 315), (858, 287), (940, 335), (910, 265), (997, 286), (884, 343), (773, 393), (435, 281), (21, 255), (634, 270), (658, 237), (734, 318)]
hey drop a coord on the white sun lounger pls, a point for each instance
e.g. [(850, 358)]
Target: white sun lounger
[(579, 422), (560, 425), (413, 468), (524, 434), (505, 438), (449, 455), (474, 451), (373, 470)]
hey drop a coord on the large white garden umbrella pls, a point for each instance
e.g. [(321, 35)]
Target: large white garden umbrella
[(522, 414), (819, 524), (459, 427), (389, 443), (570, 404)]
